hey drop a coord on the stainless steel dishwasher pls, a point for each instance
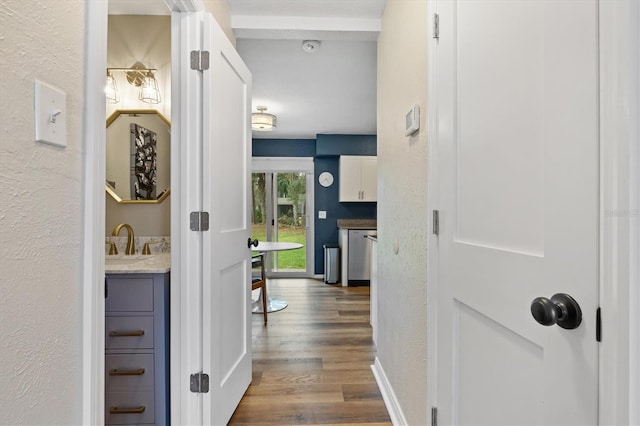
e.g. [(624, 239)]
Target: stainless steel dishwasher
[(359, 272)]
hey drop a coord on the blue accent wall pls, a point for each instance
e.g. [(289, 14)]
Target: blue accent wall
[(284, 147), (326, 150), (336, 145)]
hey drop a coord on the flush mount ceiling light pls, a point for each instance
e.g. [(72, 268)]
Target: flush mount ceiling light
[(311, 46), (263, 122), (137, 75)]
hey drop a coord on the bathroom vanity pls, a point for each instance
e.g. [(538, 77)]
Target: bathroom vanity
[(137, 341)]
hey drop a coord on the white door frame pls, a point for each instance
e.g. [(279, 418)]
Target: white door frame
[(94, 135), (619, 364)]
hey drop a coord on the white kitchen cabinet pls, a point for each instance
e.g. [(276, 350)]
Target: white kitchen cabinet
[(358, 178)]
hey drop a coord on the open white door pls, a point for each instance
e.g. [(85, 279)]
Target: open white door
[(517, 149), (226, 255)]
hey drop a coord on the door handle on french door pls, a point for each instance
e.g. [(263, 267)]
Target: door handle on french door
[(562, 310), (251, 242)]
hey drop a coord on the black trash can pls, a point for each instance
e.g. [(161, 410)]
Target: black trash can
[(331, 263)]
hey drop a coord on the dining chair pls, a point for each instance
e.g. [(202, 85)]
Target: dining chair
[(260, 281)]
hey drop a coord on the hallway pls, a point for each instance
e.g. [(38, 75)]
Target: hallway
[(311, 364)]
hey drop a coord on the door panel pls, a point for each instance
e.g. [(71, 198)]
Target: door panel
[(236, 343), (226, 191), (290, 204), (518, 198), (500, 124), (484, 381)]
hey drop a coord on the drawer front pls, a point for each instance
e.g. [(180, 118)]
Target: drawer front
[(129, 332), (129, 408), (129, 371), (129, 294)]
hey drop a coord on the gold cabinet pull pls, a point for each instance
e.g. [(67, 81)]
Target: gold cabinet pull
[(116, 372), (128, 410), (132, 333)]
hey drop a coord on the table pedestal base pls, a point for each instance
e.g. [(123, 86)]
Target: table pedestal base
[(273, 305)]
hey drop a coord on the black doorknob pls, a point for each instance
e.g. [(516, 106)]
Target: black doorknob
[(251, 242), (562, 309)]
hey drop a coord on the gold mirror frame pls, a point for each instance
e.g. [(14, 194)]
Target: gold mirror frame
[(132, 112)]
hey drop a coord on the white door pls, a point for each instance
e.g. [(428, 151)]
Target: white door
[(517, 149), (226, 195)]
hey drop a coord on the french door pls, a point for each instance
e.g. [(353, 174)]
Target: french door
[(282, 210)]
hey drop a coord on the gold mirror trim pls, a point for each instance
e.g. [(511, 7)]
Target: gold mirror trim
[(121, 201), (113, 118), (120, 112)]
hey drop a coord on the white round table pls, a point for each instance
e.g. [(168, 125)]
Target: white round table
[(273, 304)]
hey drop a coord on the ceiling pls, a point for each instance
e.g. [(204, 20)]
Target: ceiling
[(332, 90)]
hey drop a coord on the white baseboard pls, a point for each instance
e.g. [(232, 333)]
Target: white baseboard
[(388, 395)]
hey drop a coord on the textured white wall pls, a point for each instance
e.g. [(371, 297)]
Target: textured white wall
[(402, 205), (40, 216)]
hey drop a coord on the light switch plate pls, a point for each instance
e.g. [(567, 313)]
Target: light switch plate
[(50, 114), (322, 214), (412, 121)]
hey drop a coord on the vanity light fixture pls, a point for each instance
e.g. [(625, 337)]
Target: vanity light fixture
[(149, 92), (263, 122), (137, 75), (111, 90)]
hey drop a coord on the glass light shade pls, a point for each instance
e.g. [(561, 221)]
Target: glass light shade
[(263, 122), (111, 90), (149, 92)]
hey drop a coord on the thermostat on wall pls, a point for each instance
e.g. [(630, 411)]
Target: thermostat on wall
[(412, 121)]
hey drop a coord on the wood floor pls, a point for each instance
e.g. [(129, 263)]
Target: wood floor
[(311, 364)]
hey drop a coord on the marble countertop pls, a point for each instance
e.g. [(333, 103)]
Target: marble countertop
[(357, 223), (137, 263)]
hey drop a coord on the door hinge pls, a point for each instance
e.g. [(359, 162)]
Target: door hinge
[(434, 416), (199, 221), (199, 60), (436, 222), (598, 325), (436, 26), (199, 383)]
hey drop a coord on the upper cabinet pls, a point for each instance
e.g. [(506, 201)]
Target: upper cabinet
[(358, 178)]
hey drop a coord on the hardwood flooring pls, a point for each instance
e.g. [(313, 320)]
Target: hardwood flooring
[(311, 363)]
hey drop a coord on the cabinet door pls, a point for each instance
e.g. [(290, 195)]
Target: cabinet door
[(350, 177), (369, 173)]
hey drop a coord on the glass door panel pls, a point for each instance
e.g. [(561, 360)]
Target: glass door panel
[(290, 196), (261, 206)]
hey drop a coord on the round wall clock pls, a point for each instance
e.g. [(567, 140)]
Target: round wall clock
[(325, 179)]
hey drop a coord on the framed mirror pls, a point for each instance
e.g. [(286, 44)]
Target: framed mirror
[(138, 156)]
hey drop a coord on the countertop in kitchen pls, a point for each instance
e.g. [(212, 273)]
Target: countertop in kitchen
[(357, 223)]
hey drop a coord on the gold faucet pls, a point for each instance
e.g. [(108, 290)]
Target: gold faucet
[(130, 248)]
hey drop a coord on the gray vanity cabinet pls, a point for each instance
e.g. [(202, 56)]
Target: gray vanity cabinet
[(137, 349)]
